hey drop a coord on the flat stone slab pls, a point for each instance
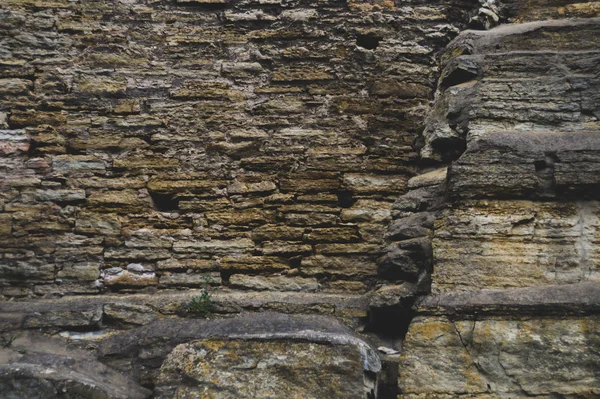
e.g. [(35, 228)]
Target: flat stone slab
[(90, 312), (572, 299), (38, 367), (266, 355)]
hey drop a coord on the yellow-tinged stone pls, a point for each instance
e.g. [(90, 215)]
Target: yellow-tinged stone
[(246, 369), (103, 85), (181, 185), (500, 357), (209, 90), (5, 224), (502, 244), (302, 74)]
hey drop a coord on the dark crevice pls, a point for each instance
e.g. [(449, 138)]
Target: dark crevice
[(225, 276), (369, 42), (164, 202), (458, 76), (390, 324), (345, 199), (450, 148)]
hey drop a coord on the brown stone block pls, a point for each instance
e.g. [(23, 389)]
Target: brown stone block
[(308, 183), (274, 283), (129, 279), (148, 162), (310, 219), (333, 234), (247, 217), (364, 183), (302, 73), (35, 118), (208, 90), (253, 263), (273, 232), (503, 244), (103, 85), (189, 279), (11, 87), (499, 357), (392, 87), (284, 248), (352, 266)]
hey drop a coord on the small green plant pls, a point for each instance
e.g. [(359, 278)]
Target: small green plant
[(7, 342), (23, 351), (201, 304)]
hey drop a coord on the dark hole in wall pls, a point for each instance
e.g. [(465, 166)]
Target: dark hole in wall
[(345, 199), (540, 165), (164, 202), (450, 148), (370, 42), (389, 325), (225, 276), (458, 76)]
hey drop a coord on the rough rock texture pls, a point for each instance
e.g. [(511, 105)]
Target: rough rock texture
[(514, 303), (269, 355), (343, 163), (44, 368), (209, 136), (500, 357), (245, 369)]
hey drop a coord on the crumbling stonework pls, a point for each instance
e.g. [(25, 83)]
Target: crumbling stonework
[(327, 176)]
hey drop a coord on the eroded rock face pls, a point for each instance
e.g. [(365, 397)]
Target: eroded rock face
[(270, 355), (50, 375), (215, 368), (513, 309), (244, 134), (501, 244), (500, 357), (269, 151)]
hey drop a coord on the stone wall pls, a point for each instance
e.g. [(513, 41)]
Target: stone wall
[(256, 143), (337, 176)]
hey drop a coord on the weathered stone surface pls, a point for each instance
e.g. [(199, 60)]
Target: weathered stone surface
[(148, 145), (575, 299), (276, 344), (501, 244), (47, 369), (221, 247), (262, 369), (64, 316), (496, 81), (356, 266), (406, 260), (189, 279), (120, 277), (526, 165), (129, 313), (273, 283), (393, 295), (500, 357), (417, 225)]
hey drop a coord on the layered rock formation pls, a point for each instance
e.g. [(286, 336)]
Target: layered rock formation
[(245, 198), (514, 246)]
